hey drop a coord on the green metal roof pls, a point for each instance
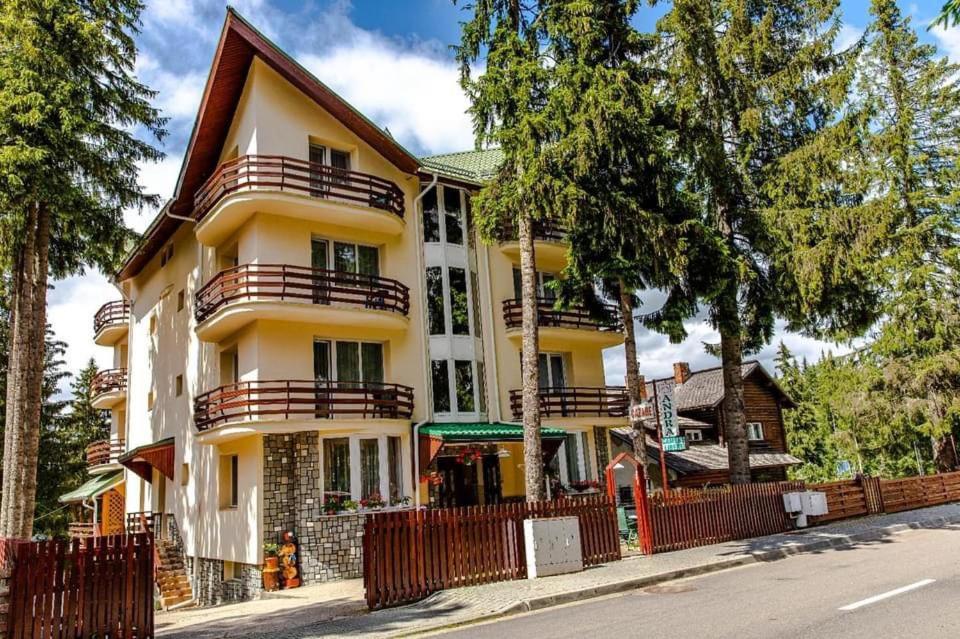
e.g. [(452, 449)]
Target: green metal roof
[(94, 487), (497, 431), (473, 166)]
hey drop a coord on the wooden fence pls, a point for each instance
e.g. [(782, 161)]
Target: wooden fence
[(690, 518), (100, 587), (919, 492), (410, 554), (849, 498)]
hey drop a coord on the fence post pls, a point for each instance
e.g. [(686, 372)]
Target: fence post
[(6, 572)]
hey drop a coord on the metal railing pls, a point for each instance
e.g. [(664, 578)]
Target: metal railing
[(302, 399), (575, 317), (117, 312), (108, 381), (282, 282), (576, 401), (104, 452), (280, 173)]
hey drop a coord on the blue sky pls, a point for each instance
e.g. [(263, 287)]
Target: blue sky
[(392, 60)]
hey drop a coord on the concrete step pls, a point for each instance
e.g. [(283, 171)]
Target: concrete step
[(167, 602)]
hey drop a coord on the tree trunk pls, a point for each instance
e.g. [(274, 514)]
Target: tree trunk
[(530, 357), (735, 426), (944, 453), (633, 379), (28, 324)]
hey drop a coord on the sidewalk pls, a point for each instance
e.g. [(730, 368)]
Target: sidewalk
[(462, 605)]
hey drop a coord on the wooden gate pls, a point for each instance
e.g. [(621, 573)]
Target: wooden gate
[(97, 587)]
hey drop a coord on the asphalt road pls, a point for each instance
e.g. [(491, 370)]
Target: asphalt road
[(906, 586)]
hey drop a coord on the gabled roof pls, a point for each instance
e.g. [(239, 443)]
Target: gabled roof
[(239, 43), (704, 388), (699, 458), (472, 166)]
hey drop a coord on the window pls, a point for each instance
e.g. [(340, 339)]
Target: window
[(453, 215), (441, 386), (229, 481), (431, 217), (459, 308), (754, 431), (544, 289), (435, 300), (369, 468), (150, 400), (180, 300), (179, 385), (464, 383), (395, 468), (166, 255), (551, 370), (336, 466), (576, 458), (184, 474), (694, 435)]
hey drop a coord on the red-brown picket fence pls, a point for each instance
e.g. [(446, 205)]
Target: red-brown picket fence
[(410, 554), (693, 518), (97, 587)]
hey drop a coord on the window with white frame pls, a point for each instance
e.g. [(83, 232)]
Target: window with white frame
[(344, 257), (455, 388), (544, 289), (347, 361), (574, 459), (378, 468), (754, 431), (443, 203), (694, 435), (552, 370)]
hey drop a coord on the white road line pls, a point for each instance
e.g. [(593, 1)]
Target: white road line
[(887, 595)]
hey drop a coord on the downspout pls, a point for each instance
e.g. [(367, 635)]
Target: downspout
[(421, 274), (491, 327)]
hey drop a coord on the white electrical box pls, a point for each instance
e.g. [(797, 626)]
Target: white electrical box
[(814, 503), (553, 546), (792, 502)]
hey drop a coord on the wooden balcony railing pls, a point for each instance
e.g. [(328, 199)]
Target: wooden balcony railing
[(117, 312), (302, 399), (83, 530), (104, 452), (279, 173), (576, 401), (575, 317), (281, 282), (156, 523), (108, 381), (543, 231)]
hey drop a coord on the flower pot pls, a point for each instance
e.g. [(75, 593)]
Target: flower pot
[(271, 574)]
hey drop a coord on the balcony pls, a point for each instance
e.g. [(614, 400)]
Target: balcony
[(561, 326), (604, 404), (287, 405), (294, 188), (102, 455), (111, 322), (109, 388), (551, 244), (243, 294)]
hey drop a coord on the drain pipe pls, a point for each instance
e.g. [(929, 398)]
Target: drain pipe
[(426, 336), (183, 218)]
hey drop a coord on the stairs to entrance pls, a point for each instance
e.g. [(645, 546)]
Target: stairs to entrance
[(172, 580)]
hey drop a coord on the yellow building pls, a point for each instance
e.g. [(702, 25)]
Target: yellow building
[(311, 324)]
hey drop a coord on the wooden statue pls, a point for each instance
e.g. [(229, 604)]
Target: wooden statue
[(289, 562)]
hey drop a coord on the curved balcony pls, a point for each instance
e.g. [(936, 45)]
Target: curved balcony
[(108, 388), (603, 403), (561, 326), (111, 322), (294, 188), (103, 455), (279, 405), (551, 244), (243, 294)]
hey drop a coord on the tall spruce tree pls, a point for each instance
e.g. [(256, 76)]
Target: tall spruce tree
[(69, 104), (507, 105), (56, 462), (755, 83)]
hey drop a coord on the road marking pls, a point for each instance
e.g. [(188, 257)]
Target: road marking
[(887, 595)]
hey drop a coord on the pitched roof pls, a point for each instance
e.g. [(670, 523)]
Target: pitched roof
[(239, 43), (93, 487), (472, 166), (704, 388)]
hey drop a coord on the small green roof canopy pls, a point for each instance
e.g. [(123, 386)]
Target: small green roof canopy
[(495, 432), (94, 487)]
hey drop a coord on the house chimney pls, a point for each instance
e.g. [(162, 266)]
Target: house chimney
[(681, 372), (642, 381)]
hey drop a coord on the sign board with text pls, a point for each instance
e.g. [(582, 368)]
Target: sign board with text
[(669, 423), (674, 444)]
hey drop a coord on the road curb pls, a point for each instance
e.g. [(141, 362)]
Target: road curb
[(549, 601)]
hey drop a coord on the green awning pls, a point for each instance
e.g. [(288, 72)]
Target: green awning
[(485, 432), (94, 487)]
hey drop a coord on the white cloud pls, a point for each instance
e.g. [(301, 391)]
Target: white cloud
[(848, 36), (949, 41)]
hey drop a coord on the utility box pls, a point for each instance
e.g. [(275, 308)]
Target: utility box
[(814, 503), (553, 546), (792, 502)]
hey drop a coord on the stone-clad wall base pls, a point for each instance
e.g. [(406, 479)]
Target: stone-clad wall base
[(331, 548), (212, 590)]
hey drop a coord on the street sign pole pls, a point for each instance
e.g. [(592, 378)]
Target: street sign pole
[(664, 477)]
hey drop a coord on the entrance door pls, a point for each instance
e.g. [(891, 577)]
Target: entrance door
[(491, 479), (459, 486)]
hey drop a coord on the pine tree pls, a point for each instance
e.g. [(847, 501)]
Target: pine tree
[(507, 107), (69, 103), (57, 465), (756, 83), (949, 14)]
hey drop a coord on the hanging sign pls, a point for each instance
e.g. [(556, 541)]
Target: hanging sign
[(674, 444), (669, 424), (641, 410)]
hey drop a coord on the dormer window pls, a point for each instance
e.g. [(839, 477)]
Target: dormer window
[(695, 435)]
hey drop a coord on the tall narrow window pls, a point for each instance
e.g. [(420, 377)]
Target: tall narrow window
[(229, 481), (336, 466), (441, 385), (369, 467), (318, 181), (348, 362), (395, 468), (551, 370), (474, 290), (340, 163), (575, 450), (435, 300), (371, 362), (459, 306), (234, 481), (464, 380), (431, 217), (453, 216)]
